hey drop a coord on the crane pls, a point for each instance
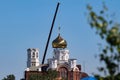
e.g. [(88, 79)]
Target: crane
[(49, 36)]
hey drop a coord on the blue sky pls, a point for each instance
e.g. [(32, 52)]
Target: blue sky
[(26, 23)]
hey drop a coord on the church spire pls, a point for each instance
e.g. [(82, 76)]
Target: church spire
[(59, 30)]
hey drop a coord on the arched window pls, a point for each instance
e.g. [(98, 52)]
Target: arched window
[(33, 55), (36, 54), (63, 72)]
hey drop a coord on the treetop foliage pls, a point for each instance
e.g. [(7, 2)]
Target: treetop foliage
[(109, 31)]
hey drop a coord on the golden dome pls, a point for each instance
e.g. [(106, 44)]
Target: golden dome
[(59, 42)]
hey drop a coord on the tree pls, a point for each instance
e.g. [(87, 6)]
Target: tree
[(109, 31), (36, 77), (48, 75), (52, 74), (9, 77)]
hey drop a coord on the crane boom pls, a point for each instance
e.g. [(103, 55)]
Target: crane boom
[(50, 33)]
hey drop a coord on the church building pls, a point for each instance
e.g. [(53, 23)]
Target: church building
[(67, 68)]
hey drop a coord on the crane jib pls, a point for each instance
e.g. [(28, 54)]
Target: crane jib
[(50, 33)]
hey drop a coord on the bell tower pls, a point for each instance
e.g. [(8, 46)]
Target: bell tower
[(32, 57)]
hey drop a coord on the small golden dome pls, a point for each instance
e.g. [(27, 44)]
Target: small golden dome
[(59, 42)]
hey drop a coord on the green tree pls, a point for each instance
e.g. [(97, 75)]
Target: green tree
[(52, 74), (36, 77), (9, 77), (48, 75), (109, 31)]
